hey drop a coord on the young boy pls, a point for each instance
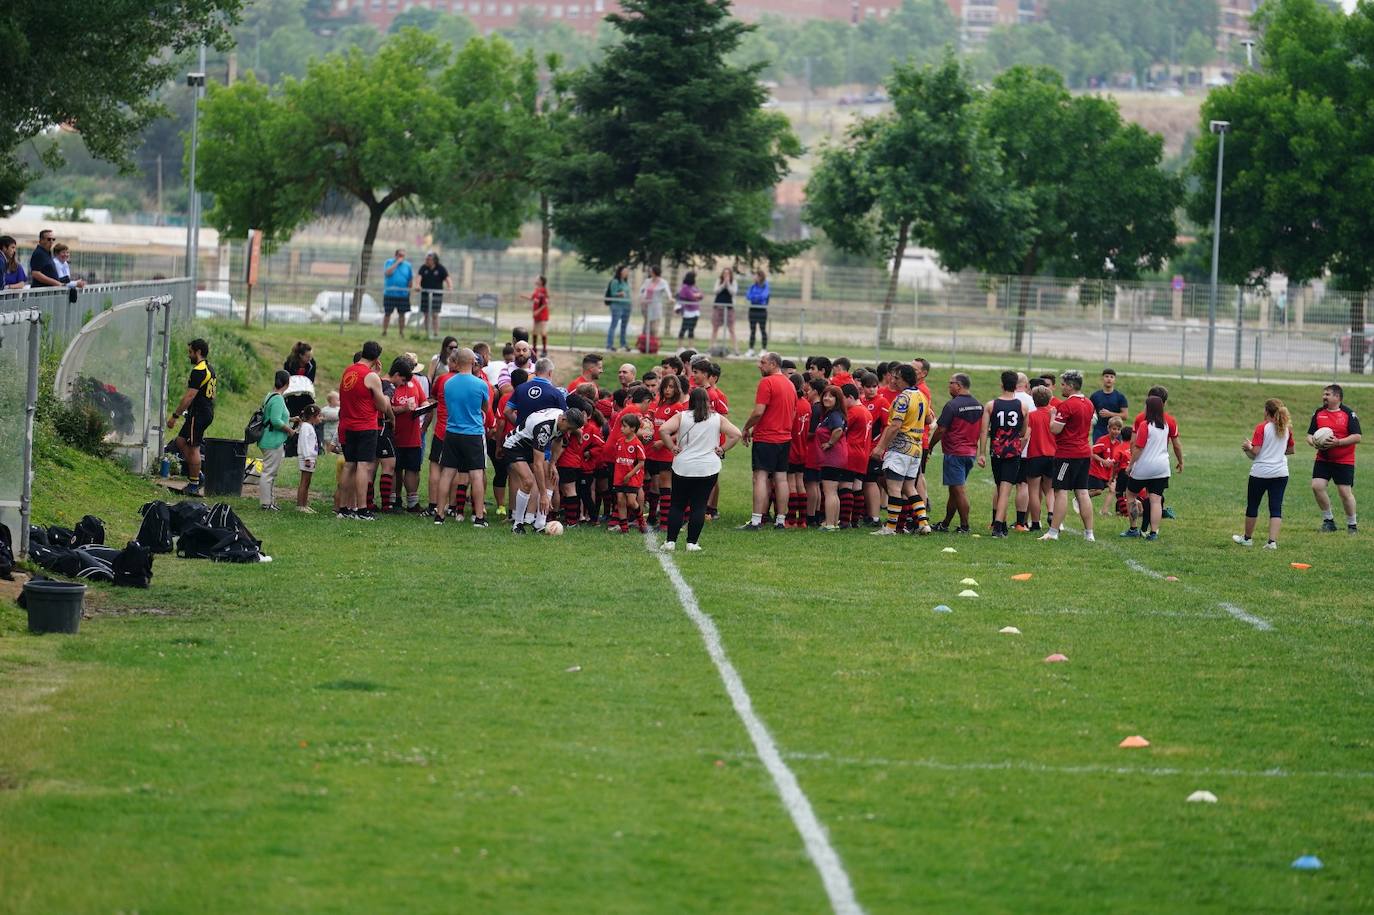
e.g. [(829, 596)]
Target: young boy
[(1103, 466), (629, 473)]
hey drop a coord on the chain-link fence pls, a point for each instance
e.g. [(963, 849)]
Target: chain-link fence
[(19, 351), (66, 311)]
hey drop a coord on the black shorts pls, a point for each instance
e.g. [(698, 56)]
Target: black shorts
[(436, 450), (604, 472), (628, 490), (568, 476), (874, 474), (409, 459), (1006, 470), (194, 426), (796, 468), (1098, 484), (654, 468), (834, 474), (811, 475), (430, 300), (400, 303), (770, 457), (360, 447), (520, 454), (925, 457), (1154, 487), (1340, 474), (1071, 473), (1123, 483), (464, 453), (386, 445), (1033, 467)]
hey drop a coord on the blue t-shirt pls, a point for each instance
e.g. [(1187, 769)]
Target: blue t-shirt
[(464, 397), (537, 394), (1115, 401), (398, 283)]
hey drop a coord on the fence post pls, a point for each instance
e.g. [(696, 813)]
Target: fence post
[(166, 362), (1259, 354), (1107, 346), (1335, 359), (1030, 344), (1182, 352), (954, 340), (1130, 342), (30, 409), (343, 305), (801, 328), (877, 337), (147, 387)]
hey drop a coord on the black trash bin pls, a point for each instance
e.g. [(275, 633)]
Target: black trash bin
[(224, 461), (54, 606)]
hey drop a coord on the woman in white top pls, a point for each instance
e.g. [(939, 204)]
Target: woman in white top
[(1150, 461), (1268, 450), (653, 297), (697, 437), (723, 309)]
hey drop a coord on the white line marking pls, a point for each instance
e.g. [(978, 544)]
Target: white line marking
[(814, 837), (1239, 613), (1086, 769)]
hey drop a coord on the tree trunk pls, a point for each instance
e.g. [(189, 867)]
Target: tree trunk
[(1029, 265), (898, 255), (545, 232), (1357, 335), (374, 222)]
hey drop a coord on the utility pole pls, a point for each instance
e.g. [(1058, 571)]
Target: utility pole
[(160, 217), (196, 81), (1221, 129)]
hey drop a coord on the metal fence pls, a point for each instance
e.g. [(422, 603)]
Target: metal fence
[(19, 352), (66, 311)]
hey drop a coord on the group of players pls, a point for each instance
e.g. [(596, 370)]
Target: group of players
[(833, 448)]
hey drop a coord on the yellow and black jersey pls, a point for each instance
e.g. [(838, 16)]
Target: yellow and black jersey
[(202, 381), (911, 410)]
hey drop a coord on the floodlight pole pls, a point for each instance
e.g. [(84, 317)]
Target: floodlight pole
[(197, 82), (1220, 128)]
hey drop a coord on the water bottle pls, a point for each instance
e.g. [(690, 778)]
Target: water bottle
[(166, 468)]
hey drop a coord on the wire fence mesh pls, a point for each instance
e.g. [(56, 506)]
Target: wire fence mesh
[(66, 311), (19, 349)]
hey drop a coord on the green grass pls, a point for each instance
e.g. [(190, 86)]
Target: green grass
[(385, 716)]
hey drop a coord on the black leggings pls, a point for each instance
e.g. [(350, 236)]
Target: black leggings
[(758, 321), (693, 492), (688, 328), (1258, 488)]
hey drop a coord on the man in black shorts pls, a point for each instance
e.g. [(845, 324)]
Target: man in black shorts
[(768, 431), (525, 448), (467, 398), (1004, 433), (198, 406)]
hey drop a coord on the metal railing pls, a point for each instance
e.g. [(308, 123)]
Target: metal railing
[(20, 332), (65, 311)]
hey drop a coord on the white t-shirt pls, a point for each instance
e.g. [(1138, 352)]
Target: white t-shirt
[(1027, 407), (493, 370), (1153, 462), (1271, 460), (307, 446), (697, 443)]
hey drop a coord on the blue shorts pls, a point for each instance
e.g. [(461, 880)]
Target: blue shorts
[(956, 470)]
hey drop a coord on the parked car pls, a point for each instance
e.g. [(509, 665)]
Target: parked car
[(875, 98), (455, 315), (1348, 337), (216, 305), (327, 304)]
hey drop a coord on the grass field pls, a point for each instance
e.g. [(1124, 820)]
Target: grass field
[(392, 717)]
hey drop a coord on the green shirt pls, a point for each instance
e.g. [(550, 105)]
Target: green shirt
[(278, 422), (618, 293)]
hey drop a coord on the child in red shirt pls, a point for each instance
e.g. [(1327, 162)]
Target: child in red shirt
[(1102, 464), (858, 436), (539, 304), (629, 474)]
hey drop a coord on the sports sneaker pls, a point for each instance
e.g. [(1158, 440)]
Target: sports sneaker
[(1329, 526), (1131, 532), (940, 527), (1272, 545), (1151, 536), (1050, 534), (748, 354), (414, 509), (500, 511), (1021, 529), (961, 529), (1034, 528), (1169, 513), (668, 546), (365, 515), (438, 519), (519, 528), (751, 526), (828, 528), (305, 510), (1243, 540), (191, 489), (1352, 529), (343, 514), (1088, 536), (780, 524), (269, 508), (998, 533), (924, 529), (480, 522), (884, 532), (694, 548)]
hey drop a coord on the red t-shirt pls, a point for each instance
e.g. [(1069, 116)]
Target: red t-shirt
[(925, 436), (801, 423), (409, 395), (1169, 422), (591, 451), (1103, 448), (627, 455), (719, 402), (661, 414), (357, 411), (1342, 421), (1041, 438), (858, 435), (441, 405), (505, 425), (578, 382), (1121, 455), (841, 378), (539, 303), (813, 447), (779, 398), (878, 408), (1074, 440)]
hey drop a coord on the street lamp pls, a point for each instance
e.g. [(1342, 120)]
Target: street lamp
[(1249, 53), (1221, 129), (196, 81)]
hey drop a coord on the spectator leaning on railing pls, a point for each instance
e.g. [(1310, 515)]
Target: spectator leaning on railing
[(14, 276), (62, 256), (42, 266)]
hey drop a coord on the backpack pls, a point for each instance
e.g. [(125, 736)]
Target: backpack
[(6, 554), (87, 563), (133, 567), (223, 517), (257, 423), (607, 297), (184, 514), (90, 530), (156, 530), (61, 536), (37, 535), (201, 541)]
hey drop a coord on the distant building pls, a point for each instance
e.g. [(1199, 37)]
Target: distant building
[(977, 18), (1233, 23)]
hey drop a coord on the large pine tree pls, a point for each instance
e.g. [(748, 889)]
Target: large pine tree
[(673, 156)]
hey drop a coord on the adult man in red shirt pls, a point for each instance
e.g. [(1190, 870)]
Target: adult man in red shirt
[(1335, 459), (768, 431), (405, 400), (1072, 425), (361, 405), (591, 371)]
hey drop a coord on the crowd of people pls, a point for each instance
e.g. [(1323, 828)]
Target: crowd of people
[(833, 447)]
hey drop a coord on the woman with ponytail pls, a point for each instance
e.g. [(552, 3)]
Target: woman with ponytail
[(1268, 449)]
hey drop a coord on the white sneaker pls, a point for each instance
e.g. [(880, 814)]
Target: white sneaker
[(694, 548), (668, 546), (748, 354), (884, 531), (1088, 536), (1271, 545), (1243, 540), (1050, 534)]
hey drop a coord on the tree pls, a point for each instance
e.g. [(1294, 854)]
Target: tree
[(1198, 51), (96, 73), (412, 126), (923, 173), (1297, 195), (669, 146), (1102, 206)]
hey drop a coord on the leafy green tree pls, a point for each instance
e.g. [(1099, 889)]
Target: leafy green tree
[(1297, 194), (412, 126), (670, 151), (1101, 204), (93, 66), (1198, 51), (923, 173)]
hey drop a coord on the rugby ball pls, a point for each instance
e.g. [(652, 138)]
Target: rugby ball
[(1322, 437), (554, 528)]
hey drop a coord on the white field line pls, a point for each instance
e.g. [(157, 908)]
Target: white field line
[(1012, 765), (814, 837), (1239, 613)]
